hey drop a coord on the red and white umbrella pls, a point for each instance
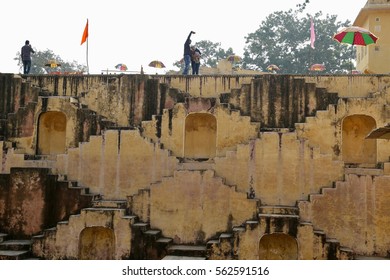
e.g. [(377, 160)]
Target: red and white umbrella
[(355, 35)]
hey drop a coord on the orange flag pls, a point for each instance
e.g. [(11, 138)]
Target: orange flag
[(85, 34)]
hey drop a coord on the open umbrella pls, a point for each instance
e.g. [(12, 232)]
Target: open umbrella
[(317, 67), (380, 133), (121, 67), (355, 35), (233, 58), (156, 64), (52, 64), (272, 68)]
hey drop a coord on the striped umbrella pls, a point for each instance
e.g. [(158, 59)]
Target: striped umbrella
[(121, 67), (52, 64), (156, 64), (272, 68), (355, 35), (317, 67)]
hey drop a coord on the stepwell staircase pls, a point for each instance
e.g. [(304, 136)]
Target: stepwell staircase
[(149, 243), (114, 213), (11, 249)]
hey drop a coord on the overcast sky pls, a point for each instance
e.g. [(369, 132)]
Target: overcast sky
[(137, 32)]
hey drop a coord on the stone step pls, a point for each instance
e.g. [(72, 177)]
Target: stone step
[(122, 204), (332, 240), (40, 157), (211, 242), (39, 163), (174, 257), (364, 171), (195, 166), (129, 217), (141, 226), (278, 216), (164, 240), (346, 253), (224, 236), (16, 245), (276, 209), (101, 210), (361, 257), (152, 234), (14, 255), (249, 225), (3, 236), (187, 250), (238, 229)]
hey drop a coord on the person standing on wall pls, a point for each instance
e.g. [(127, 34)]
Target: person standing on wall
[(25, 53), (187, 54), (195, 60)]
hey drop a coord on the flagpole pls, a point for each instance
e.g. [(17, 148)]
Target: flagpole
[(87, 56), (83, 39)]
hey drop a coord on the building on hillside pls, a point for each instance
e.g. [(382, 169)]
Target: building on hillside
[(375, 58)]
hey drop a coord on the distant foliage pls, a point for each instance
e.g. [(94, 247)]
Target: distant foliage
[(40, 58), (283, 38), (212, 53), (302, 7)]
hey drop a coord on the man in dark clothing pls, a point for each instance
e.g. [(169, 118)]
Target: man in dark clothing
[(187, 54), (26, 52)]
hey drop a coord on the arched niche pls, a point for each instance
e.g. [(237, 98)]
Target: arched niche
[(200, 136), (355, 147), (51, 133), (97, 243), (278, 246)]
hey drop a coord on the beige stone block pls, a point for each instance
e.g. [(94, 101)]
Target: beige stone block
[(195, 212), (305, 241), (73, 164), (386, 168)]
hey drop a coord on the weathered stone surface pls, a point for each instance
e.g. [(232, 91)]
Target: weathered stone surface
[(195, 158)]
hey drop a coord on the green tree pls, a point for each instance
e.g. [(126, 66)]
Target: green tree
[(41, 58), (211, 53), (283, 38)]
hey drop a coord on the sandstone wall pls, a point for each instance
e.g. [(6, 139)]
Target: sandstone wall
[(31, 200), (188, 207), (356, 212), (67, 242), (116, 164), (280, 168), (231, 129), (325, 129)]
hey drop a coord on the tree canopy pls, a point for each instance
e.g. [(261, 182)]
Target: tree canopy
[(283, 39), (212, 52), (41, 58)]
